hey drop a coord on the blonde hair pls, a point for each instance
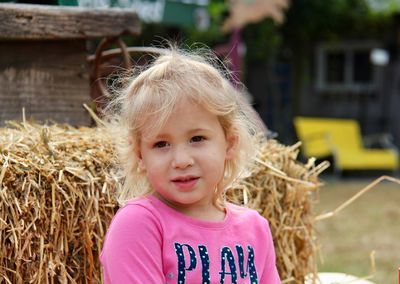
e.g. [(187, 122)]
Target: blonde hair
[(155, 91)]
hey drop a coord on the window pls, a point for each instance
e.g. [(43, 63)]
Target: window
[(335, 62), (345, 68), (362, 67)]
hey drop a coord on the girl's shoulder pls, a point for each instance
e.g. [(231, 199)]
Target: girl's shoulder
[(243, 212), (136, 209), (142, 201), (240, 209), (133, 217)]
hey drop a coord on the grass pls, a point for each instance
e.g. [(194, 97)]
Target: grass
[(371, 223)]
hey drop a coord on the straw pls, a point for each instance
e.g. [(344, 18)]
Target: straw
[(57, 186), (53, 209), (284, 190)]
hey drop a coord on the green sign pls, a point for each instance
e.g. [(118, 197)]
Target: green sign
[(170, 12)]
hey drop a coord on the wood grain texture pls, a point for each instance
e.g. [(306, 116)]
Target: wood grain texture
[(49, 79), (39, 22)]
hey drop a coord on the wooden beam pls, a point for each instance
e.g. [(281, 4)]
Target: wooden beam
[(42, 22)]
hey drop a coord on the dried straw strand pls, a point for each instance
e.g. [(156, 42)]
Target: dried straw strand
[(356, 196)]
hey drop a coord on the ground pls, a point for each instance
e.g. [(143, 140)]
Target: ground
[(371, 223)]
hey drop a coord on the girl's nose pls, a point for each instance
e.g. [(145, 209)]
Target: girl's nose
[(182, 159)]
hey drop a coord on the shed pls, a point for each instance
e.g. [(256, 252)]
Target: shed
[(43, 53)]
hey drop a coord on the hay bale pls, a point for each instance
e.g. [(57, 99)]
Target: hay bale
[(283, 190), (56, 202)]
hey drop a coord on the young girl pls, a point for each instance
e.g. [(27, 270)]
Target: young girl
[(189, 136)]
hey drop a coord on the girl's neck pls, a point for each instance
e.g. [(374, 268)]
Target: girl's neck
[(205, 212)]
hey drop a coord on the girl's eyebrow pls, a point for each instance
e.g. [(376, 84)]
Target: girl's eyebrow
[(190, 131), (162, 136), (199, 129), (151, 138)]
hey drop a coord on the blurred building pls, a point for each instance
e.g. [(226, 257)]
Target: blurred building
[(357, 79)]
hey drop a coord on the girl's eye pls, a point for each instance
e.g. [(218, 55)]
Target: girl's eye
[(197, 139), (160, 144)]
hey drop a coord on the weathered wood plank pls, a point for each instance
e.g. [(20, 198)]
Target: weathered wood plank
[(42, 22), (49, 79)]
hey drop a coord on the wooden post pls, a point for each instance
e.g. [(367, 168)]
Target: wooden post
[(43, 58)]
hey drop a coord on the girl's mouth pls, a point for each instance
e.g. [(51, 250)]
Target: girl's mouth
[(185, 182)]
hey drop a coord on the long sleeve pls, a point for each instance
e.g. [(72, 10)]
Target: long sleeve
[(132, 251)]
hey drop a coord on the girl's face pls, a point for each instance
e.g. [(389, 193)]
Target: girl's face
[(185, 160)]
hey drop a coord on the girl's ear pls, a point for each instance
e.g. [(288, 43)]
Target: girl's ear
[(232, 143), (141, 165), (138, 153)]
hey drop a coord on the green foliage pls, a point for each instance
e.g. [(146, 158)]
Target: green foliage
[(311, 20), (387, 7), (218, 10), (262, 40), (307, 21)]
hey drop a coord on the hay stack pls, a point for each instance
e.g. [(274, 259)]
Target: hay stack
[(56, 202), (283, 190)]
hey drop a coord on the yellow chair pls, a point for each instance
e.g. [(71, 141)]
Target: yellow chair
[(341, 138)]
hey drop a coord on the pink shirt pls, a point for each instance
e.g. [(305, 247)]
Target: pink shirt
[(150, 242)]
